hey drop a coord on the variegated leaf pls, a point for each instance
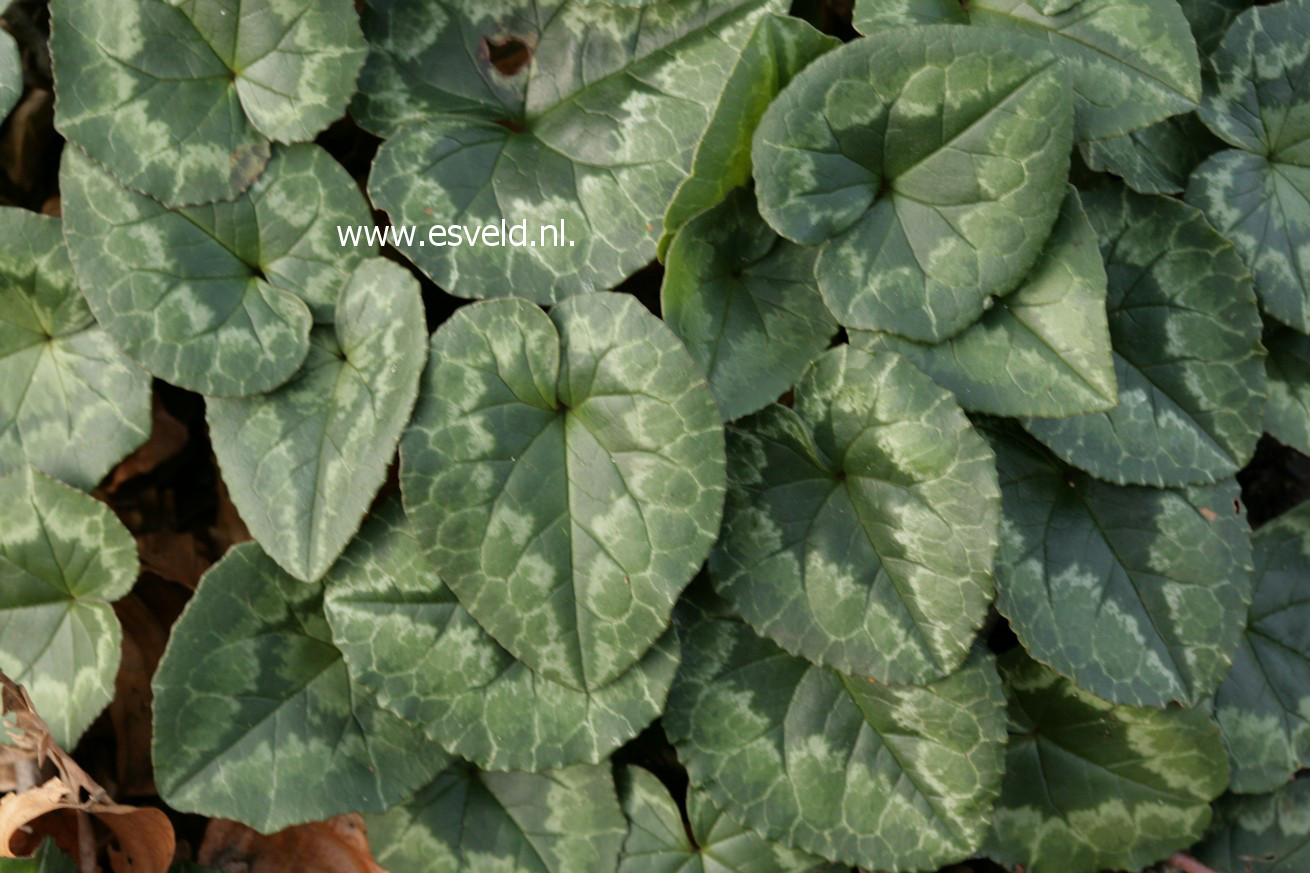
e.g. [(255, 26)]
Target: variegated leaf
[(255, 712), (468, 821), (744, 302), (565, 474), (179, 99), (11, 74), (64, 558), (1287, 412), (930, 164), (1137, 593), (861, 526), (1090, 785), (1156, 159), (492, 118), (217, 299), (1187, 356), (893, 778), (1210, 20), (71, 403), (1042, 350), (1268, 833), (304, 462), (407, 640), (872, 15)]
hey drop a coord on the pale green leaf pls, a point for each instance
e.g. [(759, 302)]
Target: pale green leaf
[(1090, 785), (893, 778), (565, 474), (744, 302), (596, 147), (304, 462), (1137, 593), (1269, 833), (72, 404), (923, 212), (407, 640), (1185, 330), (1042, 350), (64, 558), (1287, 412), (1156, 159), (219, 298), (861, 527), (256, 718), (467, 821), (11, 74)]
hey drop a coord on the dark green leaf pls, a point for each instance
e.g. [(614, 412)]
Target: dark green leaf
[(47, 859), (1287, 413), (1264, 834), (1156, 159), (11, 74)]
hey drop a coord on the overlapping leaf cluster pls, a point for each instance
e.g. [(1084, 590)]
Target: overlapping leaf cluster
[(908, 386)]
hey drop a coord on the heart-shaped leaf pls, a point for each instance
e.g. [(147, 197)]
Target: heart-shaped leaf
[(71, 403), (861, 527), (931, 167), (1137, 593), (1287, 413), (219, 298), (510, 126), (64, 558), (254, 711), (11, 74), (304, 462), (1263, 706), (710, 842), (744, 302), (407, 640), (1156, 159), (1262, 834), (1092, 786), (467, 821), (886, 777), (1042, 350), (180, 99), (565, 474), (1185, 416)]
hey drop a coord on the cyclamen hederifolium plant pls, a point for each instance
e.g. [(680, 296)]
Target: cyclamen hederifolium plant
[(900, 528)]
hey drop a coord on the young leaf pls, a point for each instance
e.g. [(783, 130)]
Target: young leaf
[(1090, 785), (710, 841), (1136, 593), (407, 640), (744, 302), (219, 298), (256, 718), (468, 821), (1187, 356), (510, 124), (1156, 159), (72, 404), (777, 50), (1263, 706), (861, 528), (11, 74), (1263, 834), (1042, 350), (1287, 412), (64, 558), (565, 474), (179, 100), (924, 213), (304, 462), (887, 777)]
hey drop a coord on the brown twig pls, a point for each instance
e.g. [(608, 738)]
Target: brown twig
[(1187, 864)]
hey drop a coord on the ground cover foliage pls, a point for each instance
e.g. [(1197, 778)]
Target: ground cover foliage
[(904, 469)]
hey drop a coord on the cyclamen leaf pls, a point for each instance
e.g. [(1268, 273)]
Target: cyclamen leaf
[(219, 298), (255, 713), (1269, 833), (11, 74), (871, 15), (887, 777), (407, 640), (923, 213), (777, 50), (1187, 356), (64, 558), (1138, 594), (304, 462), (180, 103), (1210, 20), (1287, 412), (565, 474), (743, 300), (1042, 350), (861, 528), (47, 859), (468, 821), (1090, 785), (598, 147), (659, 842), (72, 405), (1156, 159), (1263, 706)]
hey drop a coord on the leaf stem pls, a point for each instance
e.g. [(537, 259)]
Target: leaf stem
[(1185, 863)]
